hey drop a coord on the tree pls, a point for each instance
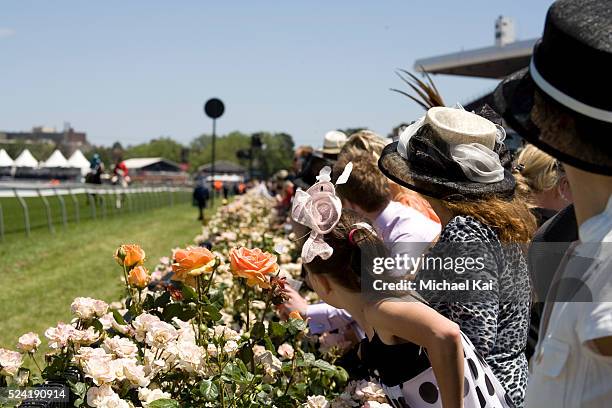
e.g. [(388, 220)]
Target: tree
[(162, 147), (276, 154)]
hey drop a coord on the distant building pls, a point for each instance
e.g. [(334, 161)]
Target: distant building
[(224, 171), (502, 59), (67, 140), (155, 170), (498, 61)]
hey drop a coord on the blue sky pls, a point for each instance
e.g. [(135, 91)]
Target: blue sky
[(132, 71)]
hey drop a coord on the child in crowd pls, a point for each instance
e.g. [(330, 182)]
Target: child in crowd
[(420, 357)]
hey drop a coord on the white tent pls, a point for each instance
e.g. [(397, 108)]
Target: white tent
[(56, 159), (5, 159), (78, 160), (25, 159)]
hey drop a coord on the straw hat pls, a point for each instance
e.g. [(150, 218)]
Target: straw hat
[(450, 154)]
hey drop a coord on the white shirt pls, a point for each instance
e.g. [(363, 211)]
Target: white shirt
[(566, 371)]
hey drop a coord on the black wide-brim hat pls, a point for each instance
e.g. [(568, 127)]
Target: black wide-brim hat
[(430, 170), (570, 70)]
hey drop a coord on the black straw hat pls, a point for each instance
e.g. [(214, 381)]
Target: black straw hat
[(426, 163), (570, 72)]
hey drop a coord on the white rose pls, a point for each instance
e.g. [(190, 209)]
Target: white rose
[(86, 337), (231, 347), (10, 361), (133, 372), (152, 363), (86, 308), (120, 346), (100, 370), (147, 396), (28, 343), (97, 396), (87, 353), (257, 350), (190, 356), (226, 333), (108, 321), (211, 349), (376, 404), (160, 333), (286, 351), (369, 391), (142, 323), (60, 336), (316, 401)]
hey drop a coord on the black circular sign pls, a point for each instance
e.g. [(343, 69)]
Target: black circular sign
[(214, 108)]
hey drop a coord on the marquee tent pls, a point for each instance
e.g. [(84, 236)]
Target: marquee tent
[(56, 159), (5, 159), (79, 161), (25, 159)]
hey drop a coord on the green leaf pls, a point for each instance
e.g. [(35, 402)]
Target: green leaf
[(212, 313), (295, 326), (149, 302), (276, 329), (209, 390), (164, 403), (97, 326), (217, 299), (323, 365), (258, 331), (188, 292), (162, 300), (118, 318), (178, 310), (79, 389), (286, 401)]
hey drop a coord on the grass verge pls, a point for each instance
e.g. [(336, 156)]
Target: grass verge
[(41, 276)]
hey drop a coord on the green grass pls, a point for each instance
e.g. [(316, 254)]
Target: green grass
[(41, 276), (105, 207)]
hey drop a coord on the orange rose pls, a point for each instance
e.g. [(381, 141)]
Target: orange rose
[(139, 277), (295, 315), (130, 255), (191, 262), (253, 265)]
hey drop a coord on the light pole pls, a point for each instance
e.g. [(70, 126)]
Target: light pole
[(213, 108)]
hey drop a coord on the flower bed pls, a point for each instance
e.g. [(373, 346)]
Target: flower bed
[(200, 330)]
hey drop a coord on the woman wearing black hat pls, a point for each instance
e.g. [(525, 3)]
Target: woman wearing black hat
[(458, 161)]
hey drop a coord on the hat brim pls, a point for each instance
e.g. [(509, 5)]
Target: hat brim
[(329, 150), (404, 173), (514, 99)]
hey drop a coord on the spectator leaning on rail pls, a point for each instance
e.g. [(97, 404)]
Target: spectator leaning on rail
[(568, 113)]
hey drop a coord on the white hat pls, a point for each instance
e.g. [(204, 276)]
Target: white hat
[(333, 142)]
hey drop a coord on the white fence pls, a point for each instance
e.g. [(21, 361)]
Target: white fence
[(27, 206)]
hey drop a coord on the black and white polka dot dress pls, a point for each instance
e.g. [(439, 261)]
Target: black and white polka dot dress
[(405, 373)]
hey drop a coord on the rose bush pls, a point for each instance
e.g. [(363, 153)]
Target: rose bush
[(199, 331)]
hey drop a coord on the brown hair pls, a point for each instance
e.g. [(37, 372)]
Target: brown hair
[(367, 186), (344, 266), (511, 219)]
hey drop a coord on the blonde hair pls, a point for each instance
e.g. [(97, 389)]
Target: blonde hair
[(365, 140), (371, 142), (540, 171)]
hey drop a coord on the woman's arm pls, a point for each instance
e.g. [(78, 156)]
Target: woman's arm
[(420, 324)]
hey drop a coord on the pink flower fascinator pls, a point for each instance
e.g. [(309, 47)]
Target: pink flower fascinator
[(319, 208)]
